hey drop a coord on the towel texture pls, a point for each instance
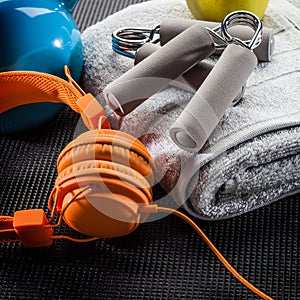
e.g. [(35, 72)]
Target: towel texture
[(252, 158)]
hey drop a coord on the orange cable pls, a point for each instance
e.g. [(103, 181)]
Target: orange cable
[(216, 251), (74, 239), (10, 241), (91, 239)]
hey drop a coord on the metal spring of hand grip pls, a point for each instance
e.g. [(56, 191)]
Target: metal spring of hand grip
[(126, 41), (233, 19)]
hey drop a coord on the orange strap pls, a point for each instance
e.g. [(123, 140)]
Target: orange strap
[(23, 87)]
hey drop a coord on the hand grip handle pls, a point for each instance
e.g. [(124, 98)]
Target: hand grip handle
[(204, 111), (192, 79), (170, 28), (159, 69)]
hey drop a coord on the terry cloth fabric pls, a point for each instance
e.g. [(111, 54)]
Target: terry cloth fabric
[(252, 158)]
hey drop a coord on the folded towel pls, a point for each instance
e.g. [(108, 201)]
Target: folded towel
[(252, 158)]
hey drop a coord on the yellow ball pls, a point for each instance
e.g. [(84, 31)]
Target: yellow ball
[(216, 10)]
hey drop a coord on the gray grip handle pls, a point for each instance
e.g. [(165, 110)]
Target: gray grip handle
[(204, 111), (159, 69), (172, 27), (190, 80)]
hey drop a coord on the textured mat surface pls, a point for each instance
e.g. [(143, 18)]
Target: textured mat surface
[(161, 260)]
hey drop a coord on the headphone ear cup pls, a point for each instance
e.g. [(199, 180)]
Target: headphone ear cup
[(114, 216), (120, 173)]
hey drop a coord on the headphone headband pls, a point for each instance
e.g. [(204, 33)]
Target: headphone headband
[(23, 87)]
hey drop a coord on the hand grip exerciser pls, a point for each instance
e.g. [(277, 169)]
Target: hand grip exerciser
[(204, 111), (158, 70), (105, 177)]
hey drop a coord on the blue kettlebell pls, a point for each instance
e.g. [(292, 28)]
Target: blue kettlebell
[(37, 36)]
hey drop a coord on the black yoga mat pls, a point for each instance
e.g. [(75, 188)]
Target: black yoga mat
[(160, 260)]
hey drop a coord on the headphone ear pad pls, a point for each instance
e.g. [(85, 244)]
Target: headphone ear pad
[(111, 145), (102, 170), (110, 153)]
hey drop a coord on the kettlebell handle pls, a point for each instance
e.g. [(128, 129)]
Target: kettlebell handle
[(69, 4)]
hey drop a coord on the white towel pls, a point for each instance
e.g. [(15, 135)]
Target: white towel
[(253, 156)]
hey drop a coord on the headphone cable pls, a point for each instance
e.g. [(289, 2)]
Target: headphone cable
[(215, 250)]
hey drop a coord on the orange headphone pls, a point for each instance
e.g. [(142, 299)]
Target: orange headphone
[(105, 176)]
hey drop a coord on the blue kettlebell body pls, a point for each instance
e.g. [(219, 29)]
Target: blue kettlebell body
[(38, 36)]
